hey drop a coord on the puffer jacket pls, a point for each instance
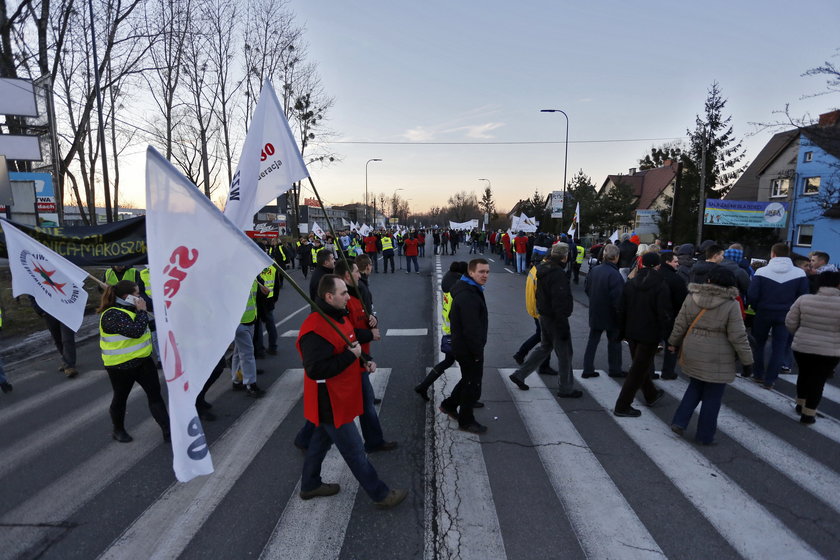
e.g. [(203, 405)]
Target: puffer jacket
[(814, 321), (708, 352)]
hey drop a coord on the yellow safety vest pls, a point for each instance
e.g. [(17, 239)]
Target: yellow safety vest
[(118, 349), (387, 243), (531, 293), (128, 274), (146, 277), (1, 318), (581, 252), (251, 307), (315, 254), (446, 307), (269, 276)]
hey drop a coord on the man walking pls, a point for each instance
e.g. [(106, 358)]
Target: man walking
[(555, 305), (604, 285), (468, 322)]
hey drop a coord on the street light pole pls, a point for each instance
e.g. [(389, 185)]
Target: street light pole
[(366, 187), (566, 158)]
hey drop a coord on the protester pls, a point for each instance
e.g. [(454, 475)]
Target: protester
[(64, 339), (814, 320), (534, 339), (604, 286), (126, 345), (520, 244), (324, 264), (678, 291), (709, 333), (411, 247)]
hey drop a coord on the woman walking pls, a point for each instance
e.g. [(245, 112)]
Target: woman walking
[(126, 345), (814, 320), (710, 331)]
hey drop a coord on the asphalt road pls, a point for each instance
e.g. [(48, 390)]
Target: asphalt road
[(552, 478)]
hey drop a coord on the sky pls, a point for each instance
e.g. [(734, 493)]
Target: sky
[(630, 75)]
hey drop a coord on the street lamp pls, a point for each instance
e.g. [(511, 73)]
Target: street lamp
[(366, 187), (566, 159)]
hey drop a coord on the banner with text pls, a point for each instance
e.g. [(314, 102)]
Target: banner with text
[(745, 213)]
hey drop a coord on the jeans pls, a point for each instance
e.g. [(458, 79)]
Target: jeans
[(2, 373), (467, 391), (409, 260), (265, 317), (552, 337), (422, 249), (374, 260), (711, 395), (243, 354), (64, 338), (638, 377), (532, 341), (613, 351), (763, 324), (520, 263), (388, 257), (349, 444)]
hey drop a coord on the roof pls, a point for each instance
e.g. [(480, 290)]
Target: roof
[(647, 184), (826, 137), (746, 187)]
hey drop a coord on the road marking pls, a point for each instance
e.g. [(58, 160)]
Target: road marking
[(605, 524), (290, 334), (316, 528), (803, 470), (751, 530), (407, 332), (281, 321), (509, 270), (491, 260), (58, 391), (828, 426)]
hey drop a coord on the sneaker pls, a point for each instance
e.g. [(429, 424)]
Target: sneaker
[(669, 376), (785, 370), (590, 374), (576, 394), (6, 387), (518, 359), (807, 419), (420, 390), (238, 386), (679, 430), (449, 412), (629, 412), (654, 375), (386, 446), (253, 391), (659, 394), (393, 499), (71, 372), (516, 381), (548, 371), (326, 489), (473, 428), (620, 374)]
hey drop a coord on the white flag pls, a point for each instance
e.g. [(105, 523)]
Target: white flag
[(514, 223), (56, 284), (614, 236), (575, 221), (316, 229), (364, 230), (270, 162), (202, 267)]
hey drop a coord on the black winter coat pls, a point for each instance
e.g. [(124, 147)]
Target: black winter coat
[(468, 321), (554, 296), (645, 312), (604, 286), (676, 286), (626, 253)]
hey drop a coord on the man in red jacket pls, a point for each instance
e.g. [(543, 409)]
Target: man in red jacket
[(332, 396), (372, 250), (411, 247)]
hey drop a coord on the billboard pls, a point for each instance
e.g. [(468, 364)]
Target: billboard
[(745, 213), (556, 203)]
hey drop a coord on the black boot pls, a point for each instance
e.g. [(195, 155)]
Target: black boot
[(160, 415), (119, 433)]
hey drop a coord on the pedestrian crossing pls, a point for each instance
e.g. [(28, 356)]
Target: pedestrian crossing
[(460, 514)]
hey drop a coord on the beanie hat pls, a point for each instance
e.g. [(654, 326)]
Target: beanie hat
[(686, 249), (650, 260)]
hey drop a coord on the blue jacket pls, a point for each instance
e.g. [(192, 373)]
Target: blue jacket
[(776, 286), (604, 286)]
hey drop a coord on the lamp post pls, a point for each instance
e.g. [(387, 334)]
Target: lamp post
[(566, 158), (366, 187)]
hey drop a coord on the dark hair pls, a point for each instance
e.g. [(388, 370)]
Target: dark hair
[(822, 255), (458, 266), (828, 279), (323, 256), (342, 267), (668, 256), (475, 262), (327, 285), (713, 250), (721, 276), (363, 261), (119, 290), (780, 250)]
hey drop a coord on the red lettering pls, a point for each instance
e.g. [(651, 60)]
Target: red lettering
[(181, 259), (268, 150), (184, 257), (172, 346)]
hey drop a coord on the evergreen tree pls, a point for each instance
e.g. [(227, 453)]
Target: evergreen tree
[(614, 209), (582, 190)]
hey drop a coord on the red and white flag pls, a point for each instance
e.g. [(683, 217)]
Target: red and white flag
[(270, 162), (56, 284), (202, 266), (575, 221)]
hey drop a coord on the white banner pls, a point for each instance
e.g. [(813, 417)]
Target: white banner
[(575, 221), (614, 236), (316, 229), (365, 230), (56, 284), (526, 224), (202, 267), (270, 162), (463, 225)]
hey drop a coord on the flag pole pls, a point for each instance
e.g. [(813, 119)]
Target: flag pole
[(102, 284), (343, 255)]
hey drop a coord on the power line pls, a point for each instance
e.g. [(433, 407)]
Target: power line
[(504, 143)]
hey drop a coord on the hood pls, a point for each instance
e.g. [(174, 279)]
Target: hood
[(449, 280), (648, 279), (780, 265), (709, 296)]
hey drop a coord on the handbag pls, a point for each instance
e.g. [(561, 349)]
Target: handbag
[(446, 344), (694, 322)]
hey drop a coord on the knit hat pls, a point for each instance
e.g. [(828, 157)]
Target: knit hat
[(734, 255), (650, 260), (686, 249), (635, 239), (560, 249)]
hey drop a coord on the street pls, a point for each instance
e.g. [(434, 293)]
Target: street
[(551, 478)]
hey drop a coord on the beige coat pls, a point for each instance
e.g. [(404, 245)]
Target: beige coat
[(814, 321), (709, 351)]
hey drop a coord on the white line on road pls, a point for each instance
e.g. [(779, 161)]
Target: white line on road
[(41, 400), (605, 524), (167, 526), (407, 332), (808, 473), (315, 529), (509, 270), (290, 334), (752, 530)]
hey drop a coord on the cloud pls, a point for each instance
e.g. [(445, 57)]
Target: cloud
[(419, 134), (480, 131)]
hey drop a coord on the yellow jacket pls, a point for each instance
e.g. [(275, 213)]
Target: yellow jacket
[(531, 293)]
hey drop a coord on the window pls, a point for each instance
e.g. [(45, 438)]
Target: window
[(779, 188), (811, 185), (808, 156), (805, 235)]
